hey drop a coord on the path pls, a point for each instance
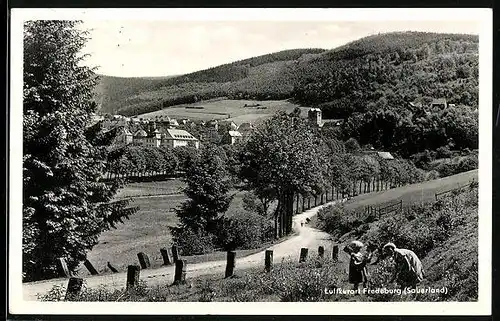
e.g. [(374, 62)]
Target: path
[(289, 249)]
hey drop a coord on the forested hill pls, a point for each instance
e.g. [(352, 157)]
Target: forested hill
[(131, 96), (376, 71), (391, 70)]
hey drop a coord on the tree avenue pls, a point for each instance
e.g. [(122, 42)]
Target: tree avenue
[(65, 204), (283, 157)]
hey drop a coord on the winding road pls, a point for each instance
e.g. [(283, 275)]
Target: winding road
[(289, 249)]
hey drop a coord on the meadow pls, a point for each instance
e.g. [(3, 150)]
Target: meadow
[(227, 109), (148, 230)]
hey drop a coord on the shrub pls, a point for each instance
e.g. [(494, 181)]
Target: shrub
[(431, 175), (244, 231), (192, 243), (468, 163), (443, 152), (352, 145), (337, 219)]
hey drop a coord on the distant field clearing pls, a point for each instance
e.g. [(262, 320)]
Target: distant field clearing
[(234, 110)]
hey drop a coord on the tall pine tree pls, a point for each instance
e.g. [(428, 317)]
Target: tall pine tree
[(66, 205)]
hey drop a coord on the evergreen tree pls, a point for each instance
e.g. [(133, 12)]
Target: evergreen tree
[(207, 191), (65, 204)]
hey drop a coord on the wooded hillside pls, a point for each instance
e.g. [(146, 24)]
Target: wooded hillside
[(376, 71)]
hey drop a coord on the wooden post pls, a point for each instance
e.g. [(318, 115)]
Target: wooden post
[(74, 288), (269, 260), (165, 256), (90, 267), (180, 272), (175, 253), (321, 251), (112, 268), (231, 258), (63, 267), (335, 253), (143, 260), (303, 254), (133, 272)]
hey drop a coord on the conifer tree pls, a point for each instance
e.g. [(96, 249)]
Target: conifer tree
[(66, 205)]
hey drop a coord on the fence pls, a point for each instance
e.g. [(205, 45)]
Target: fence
[(75, 284), (458, 189), (377, 212), (303, 203)]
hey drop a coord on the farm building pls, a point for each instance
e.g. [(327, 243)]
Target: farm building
[(439, 103), (232, 137), (379, 155)]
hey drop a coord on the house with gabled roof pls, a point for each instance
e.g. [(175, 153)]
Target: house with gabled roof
[(172, 138)]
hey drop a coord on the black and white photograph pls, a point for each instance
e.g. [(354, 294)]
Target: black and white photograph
[(257, 156)]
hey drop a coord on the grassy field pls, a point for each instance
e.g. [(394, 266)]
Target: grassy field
[(173, 186), (227, 109), (148, 230), (415, 193)]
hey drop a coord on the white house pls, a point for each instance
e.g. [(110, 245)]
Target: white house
[(177, 137)]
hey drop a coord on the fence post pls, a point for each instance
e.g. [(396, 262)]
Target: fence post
[(133, 272), (90, 267), (165, 256), (269, 260), (303, 254), (63, 267), (180, 272), (74, 287), (112, 268), (175, 253), (335, 253), (143, 260), (321, 251), (231, 256)]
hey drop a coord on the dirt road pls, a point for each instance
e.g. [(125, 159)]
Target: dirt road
[(289, 249)]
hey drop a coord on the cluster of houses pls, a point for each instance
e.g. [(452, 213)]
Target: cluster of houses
[(170, 133)]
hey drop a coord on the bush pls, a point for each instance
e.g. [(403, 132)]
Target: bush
[(192, 243), (443, 152), (352, 145), (468, 163), (337, 219), (244, 231), (431, 175)]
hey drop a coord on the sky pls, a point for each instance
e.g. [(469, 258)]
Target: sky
[(128, 48)]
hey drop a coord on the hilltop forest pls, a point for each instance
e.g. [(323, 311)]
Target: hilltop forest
[(371, 73)]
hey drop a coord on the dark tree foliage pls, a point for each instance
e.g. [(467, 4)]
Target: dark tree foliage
[(65, 204), (207, 191), (408, 132), (281, 158)]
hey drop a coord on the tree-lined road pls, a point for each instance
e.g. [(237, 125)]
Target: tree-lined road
[(289, 249)]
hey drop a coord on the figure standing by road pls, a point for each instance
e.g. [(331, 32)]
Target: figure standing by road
[(358, 272)]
